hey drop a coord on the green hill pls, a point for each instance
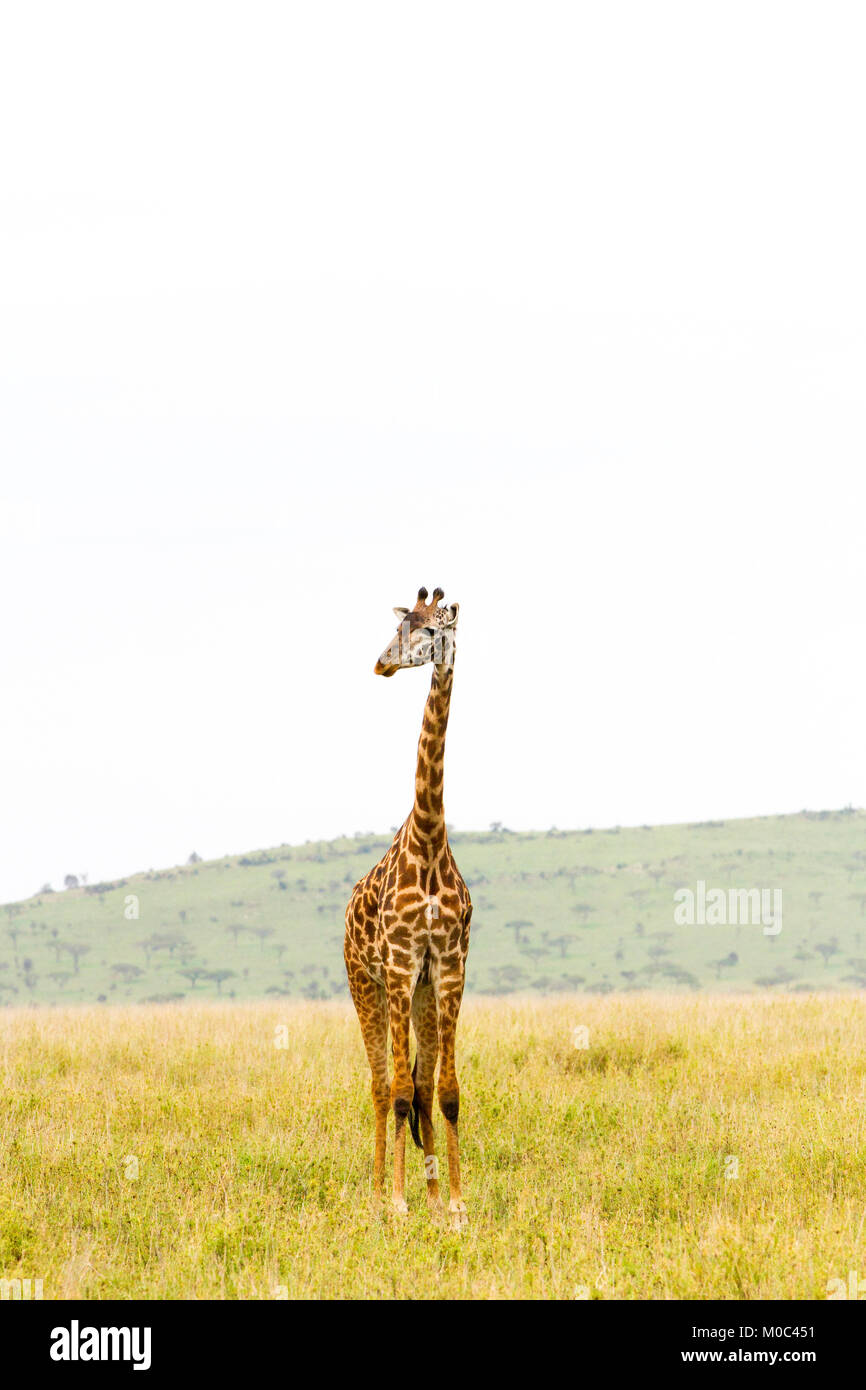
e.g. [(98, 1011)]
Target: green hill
[(562, 910)]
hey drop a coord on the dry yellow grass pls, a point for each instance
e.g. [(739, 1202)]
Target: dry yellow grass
[(700, 1147)]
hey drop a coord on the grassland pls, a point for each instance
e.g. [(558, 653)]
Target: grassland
[(560, 911), (699, 1146)]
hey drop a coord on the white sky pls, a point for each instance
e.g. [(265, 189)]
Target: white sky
[(304, 305)]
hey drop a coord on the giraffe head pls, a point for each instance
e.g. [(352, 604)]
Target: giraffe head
[(426, 633)]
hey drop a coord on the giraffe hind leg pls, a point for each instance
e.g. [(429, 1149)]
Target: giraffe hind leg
[(399, 989), (372, 1009)]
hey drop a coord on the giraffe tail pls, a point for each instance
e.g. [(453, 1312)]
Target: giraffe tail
[(415, 1114)]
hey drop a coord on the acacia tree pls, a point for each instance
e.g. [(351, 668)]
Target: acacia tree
[(126, 972), (726, 963), (76, 950), (219, 976), (170, 941), (562, 943), (193, 974), (534, 953)]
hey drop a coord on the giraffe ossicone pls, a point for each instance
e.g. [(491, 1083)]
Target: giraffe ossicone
[(426, 634), (407, 933)]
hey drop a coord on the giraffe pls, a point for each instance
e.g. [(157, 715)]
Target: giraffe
[(407, 936)]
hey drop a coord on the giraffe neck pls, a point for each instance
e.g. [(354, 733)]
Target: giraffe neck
[(427, 813)]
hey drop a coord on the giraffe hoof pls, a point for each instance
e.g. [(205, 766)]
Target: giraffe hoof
[(459, 1218), (399, 1207)]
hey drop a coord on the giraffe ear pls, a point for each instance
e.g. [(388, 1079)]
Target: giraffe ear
[(402, 612), (452, 612)]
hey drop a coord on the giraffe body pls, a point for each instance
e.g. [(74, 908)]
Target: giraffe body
[(407, 938)]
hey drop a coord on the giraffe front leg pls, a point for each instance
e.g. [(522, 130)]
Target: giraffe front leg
[(402, 1085), (425, 1024), (450, 995)]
